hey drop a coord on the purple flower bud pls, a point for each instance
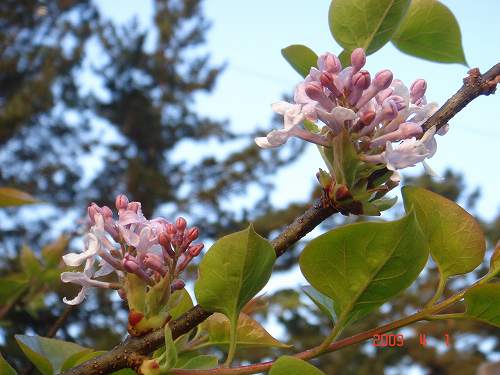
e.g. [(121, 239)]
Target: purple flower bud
[(193, 234), (314, 90), (398, 100), (384, 94), (134, 206), (361, 80), (195, 250), (417, 90), (131, 265), (382, 79), (389, 110), (180, 224), (164, 241), (327, 81), (121, 202), (153, 262), (177, 284), (92, 210), (171, 230), (106, 212), (358, 59), (328, 62)]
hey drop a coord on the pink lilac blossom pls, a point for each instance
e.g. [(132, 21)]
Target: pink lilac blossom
[(382, 116), (150, 249)]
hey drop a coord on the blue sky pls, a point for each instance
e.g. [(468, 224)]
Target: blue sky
[(248, 36)]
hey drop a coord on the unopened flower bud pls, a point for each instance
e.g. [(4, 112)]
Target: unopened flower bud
[(398, 100), (164, 241), (106, 212), (367, 117), (327, 81), (134, 206), (177, 284), (153, 262), (180, 224), (361, 80), (328, 62), (92, 210), (389, 110), (382, 79), (195, 250), (417, 90), (384, 94), (358, 59), (170, 228), (193, 234), (314, 90), (121, 202), (130, 265)]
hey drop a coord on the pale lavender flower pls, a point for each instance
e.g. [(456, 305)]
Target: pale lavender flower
[(381, 115), (151, 249), (85, 280)]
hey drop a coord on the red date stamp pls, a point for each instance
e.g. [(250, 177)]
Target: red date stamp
[(393, 340)]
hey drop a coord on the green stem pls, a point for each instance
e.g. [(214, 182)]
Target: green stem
[(336, 331), (232, 342), (447, 316), (439, 291)]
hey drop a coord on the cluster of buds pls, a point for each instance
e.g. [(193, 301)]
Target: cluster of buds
[(147, 257), (379, 117)]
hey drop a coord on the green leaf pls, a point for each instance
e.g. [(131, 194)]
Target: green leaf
[(345, 57), (300, 57), (5, 368), (430, 31), (495, 259), (53, 252), (14, 197), (361, 266), (250, 332), (201, 362), (346, 163), (48, 355), (368, 24), (12, 286), (232, 272), (483, 303), (29, 262), (80, 357), (456, 241), (185, 303), (324, 303), (170, 356), (287, 365)]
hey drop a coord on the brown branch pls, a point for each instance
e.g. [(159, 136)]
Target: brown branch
[(126, 354), (474, 85), (60, 321)]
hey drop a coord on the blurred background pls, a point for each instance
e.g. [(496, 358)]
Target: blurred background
[(161, 100)]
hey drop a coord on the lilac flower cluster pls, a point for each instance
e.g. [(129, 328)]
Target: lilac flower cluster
[(151, 249), (382, 116)]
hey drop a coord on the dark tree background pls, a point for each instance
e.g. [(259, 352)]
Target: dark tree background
[(89, 109)]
